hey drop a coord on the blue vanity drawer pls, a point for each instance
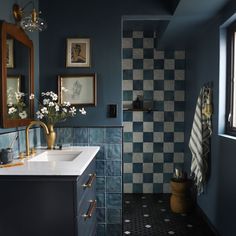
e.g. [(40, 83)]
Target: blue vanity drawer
[(86, 217)]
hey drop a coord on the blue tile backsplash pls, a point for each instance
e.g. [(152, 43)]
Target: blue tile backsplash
[(153, 141)]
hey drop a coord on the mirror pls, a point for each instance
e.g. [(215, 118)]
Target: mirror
[(17, 76)]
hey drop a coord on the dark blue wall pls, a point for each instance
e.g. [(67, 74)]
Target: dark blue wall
[(101, 21), (203, 65)]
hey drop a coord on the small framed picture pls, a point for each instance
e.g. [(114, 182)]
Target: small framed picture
[(78, 89), (10, 56), (78, 53), (13, 87)]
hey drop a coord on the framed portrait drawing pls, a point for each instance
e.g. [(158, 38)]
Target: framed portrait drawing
[(10, 56), (78, 89), (78, 52), (13, 86)]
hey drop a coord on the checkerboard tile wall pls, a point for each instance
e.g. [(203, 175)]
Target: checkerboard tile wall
[(153, 141)]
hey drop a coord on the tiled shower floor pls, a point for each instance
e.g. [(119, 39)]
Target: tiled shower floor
[(150, 214)]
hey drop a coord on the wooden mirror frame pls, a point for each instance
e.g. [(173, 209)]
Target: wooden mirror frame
[(19, 34)]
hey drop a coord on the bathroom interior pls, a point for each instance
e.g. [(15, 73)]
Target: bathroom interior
[(139, 72)]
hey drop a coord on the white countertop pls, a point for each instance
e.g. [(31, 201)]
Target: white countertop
[(61, 168)]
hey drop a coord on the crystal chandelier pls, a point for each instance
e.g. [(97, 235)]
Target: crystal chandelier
[(30, 22)]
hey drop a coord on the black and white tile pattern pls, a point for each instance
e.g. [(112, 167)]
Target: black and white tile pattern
[(156, 219)]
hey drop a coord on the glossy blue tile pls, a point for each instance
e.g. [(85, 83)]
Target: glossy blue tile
[(127, 53), (179, 106), (127, 157), (128, 177), (127, 74), (148, 95), (96, 135), (159, 64), (114, 230), (100, 168), (157, 188), (158, 126), (127, 95), (147, 178), (114, 216), (138, 147), (137, 168), (100, 184), (128, 137), (169, 75), (148, 116), (148, 74), (179, 85), (137, 43), (138, 126), (158, 167), (158, 147), (114, 200), (64, 136), (179, 64), (169, 95), (113, 168), (101, 215), (138, 85), (113, 152), (100, 197), (169, 137), (168, 157), (148, 53), (127, 116), (101, 230), (101, 153), (158, 105), (113, 184), (113, 135), (168, 116), (147, 157), (167, 177), (80, 135), (158, 84), (137, 188), (137, 64), (170, 54), (148, 137), (179, 126)]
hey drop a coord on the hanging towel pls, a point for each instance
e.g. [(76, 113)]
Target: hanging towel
[(199, 139)]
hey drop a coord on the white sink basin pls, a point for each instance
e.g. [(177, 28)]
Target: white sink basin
[(56, 155)]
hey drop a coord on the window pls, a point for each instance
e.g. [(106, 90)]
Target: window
[(231, 81)]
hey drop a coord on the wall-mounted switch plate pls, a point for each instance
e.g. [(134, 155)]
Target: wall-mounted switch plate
[(112, 110)]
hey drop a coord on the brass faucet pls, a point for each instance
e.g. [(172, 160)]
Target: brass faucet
[(35, 122)]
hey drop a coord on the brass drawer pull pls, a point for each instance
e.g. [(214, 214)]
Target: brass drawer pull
[(90, 181), (92, 207)]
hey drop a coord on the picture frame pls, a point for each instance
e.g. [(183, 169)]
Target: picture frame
[(79, 90), (78, 52), (10, 54), (13, 86)]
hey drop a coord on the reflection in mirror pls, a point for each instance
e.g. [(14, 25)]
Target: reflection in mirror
[(17, 86), (17, 80)]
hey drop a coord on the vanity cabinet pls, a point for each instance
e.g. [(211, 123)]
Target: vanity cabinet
[(48, 205)]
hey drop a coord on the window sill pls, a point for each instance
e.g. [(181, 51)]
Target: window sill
[(227, 136)]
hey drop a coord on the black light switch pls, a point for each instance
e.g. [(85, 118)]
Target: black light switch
[(112, 110)]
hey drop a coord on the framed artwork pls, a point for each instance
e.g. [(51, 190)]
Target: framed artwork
[(78, 53), (10, 56), (78, 89), (13, 86)]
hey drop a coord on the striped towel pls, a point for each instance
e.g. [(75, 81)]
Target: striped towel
[(199, 139)]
